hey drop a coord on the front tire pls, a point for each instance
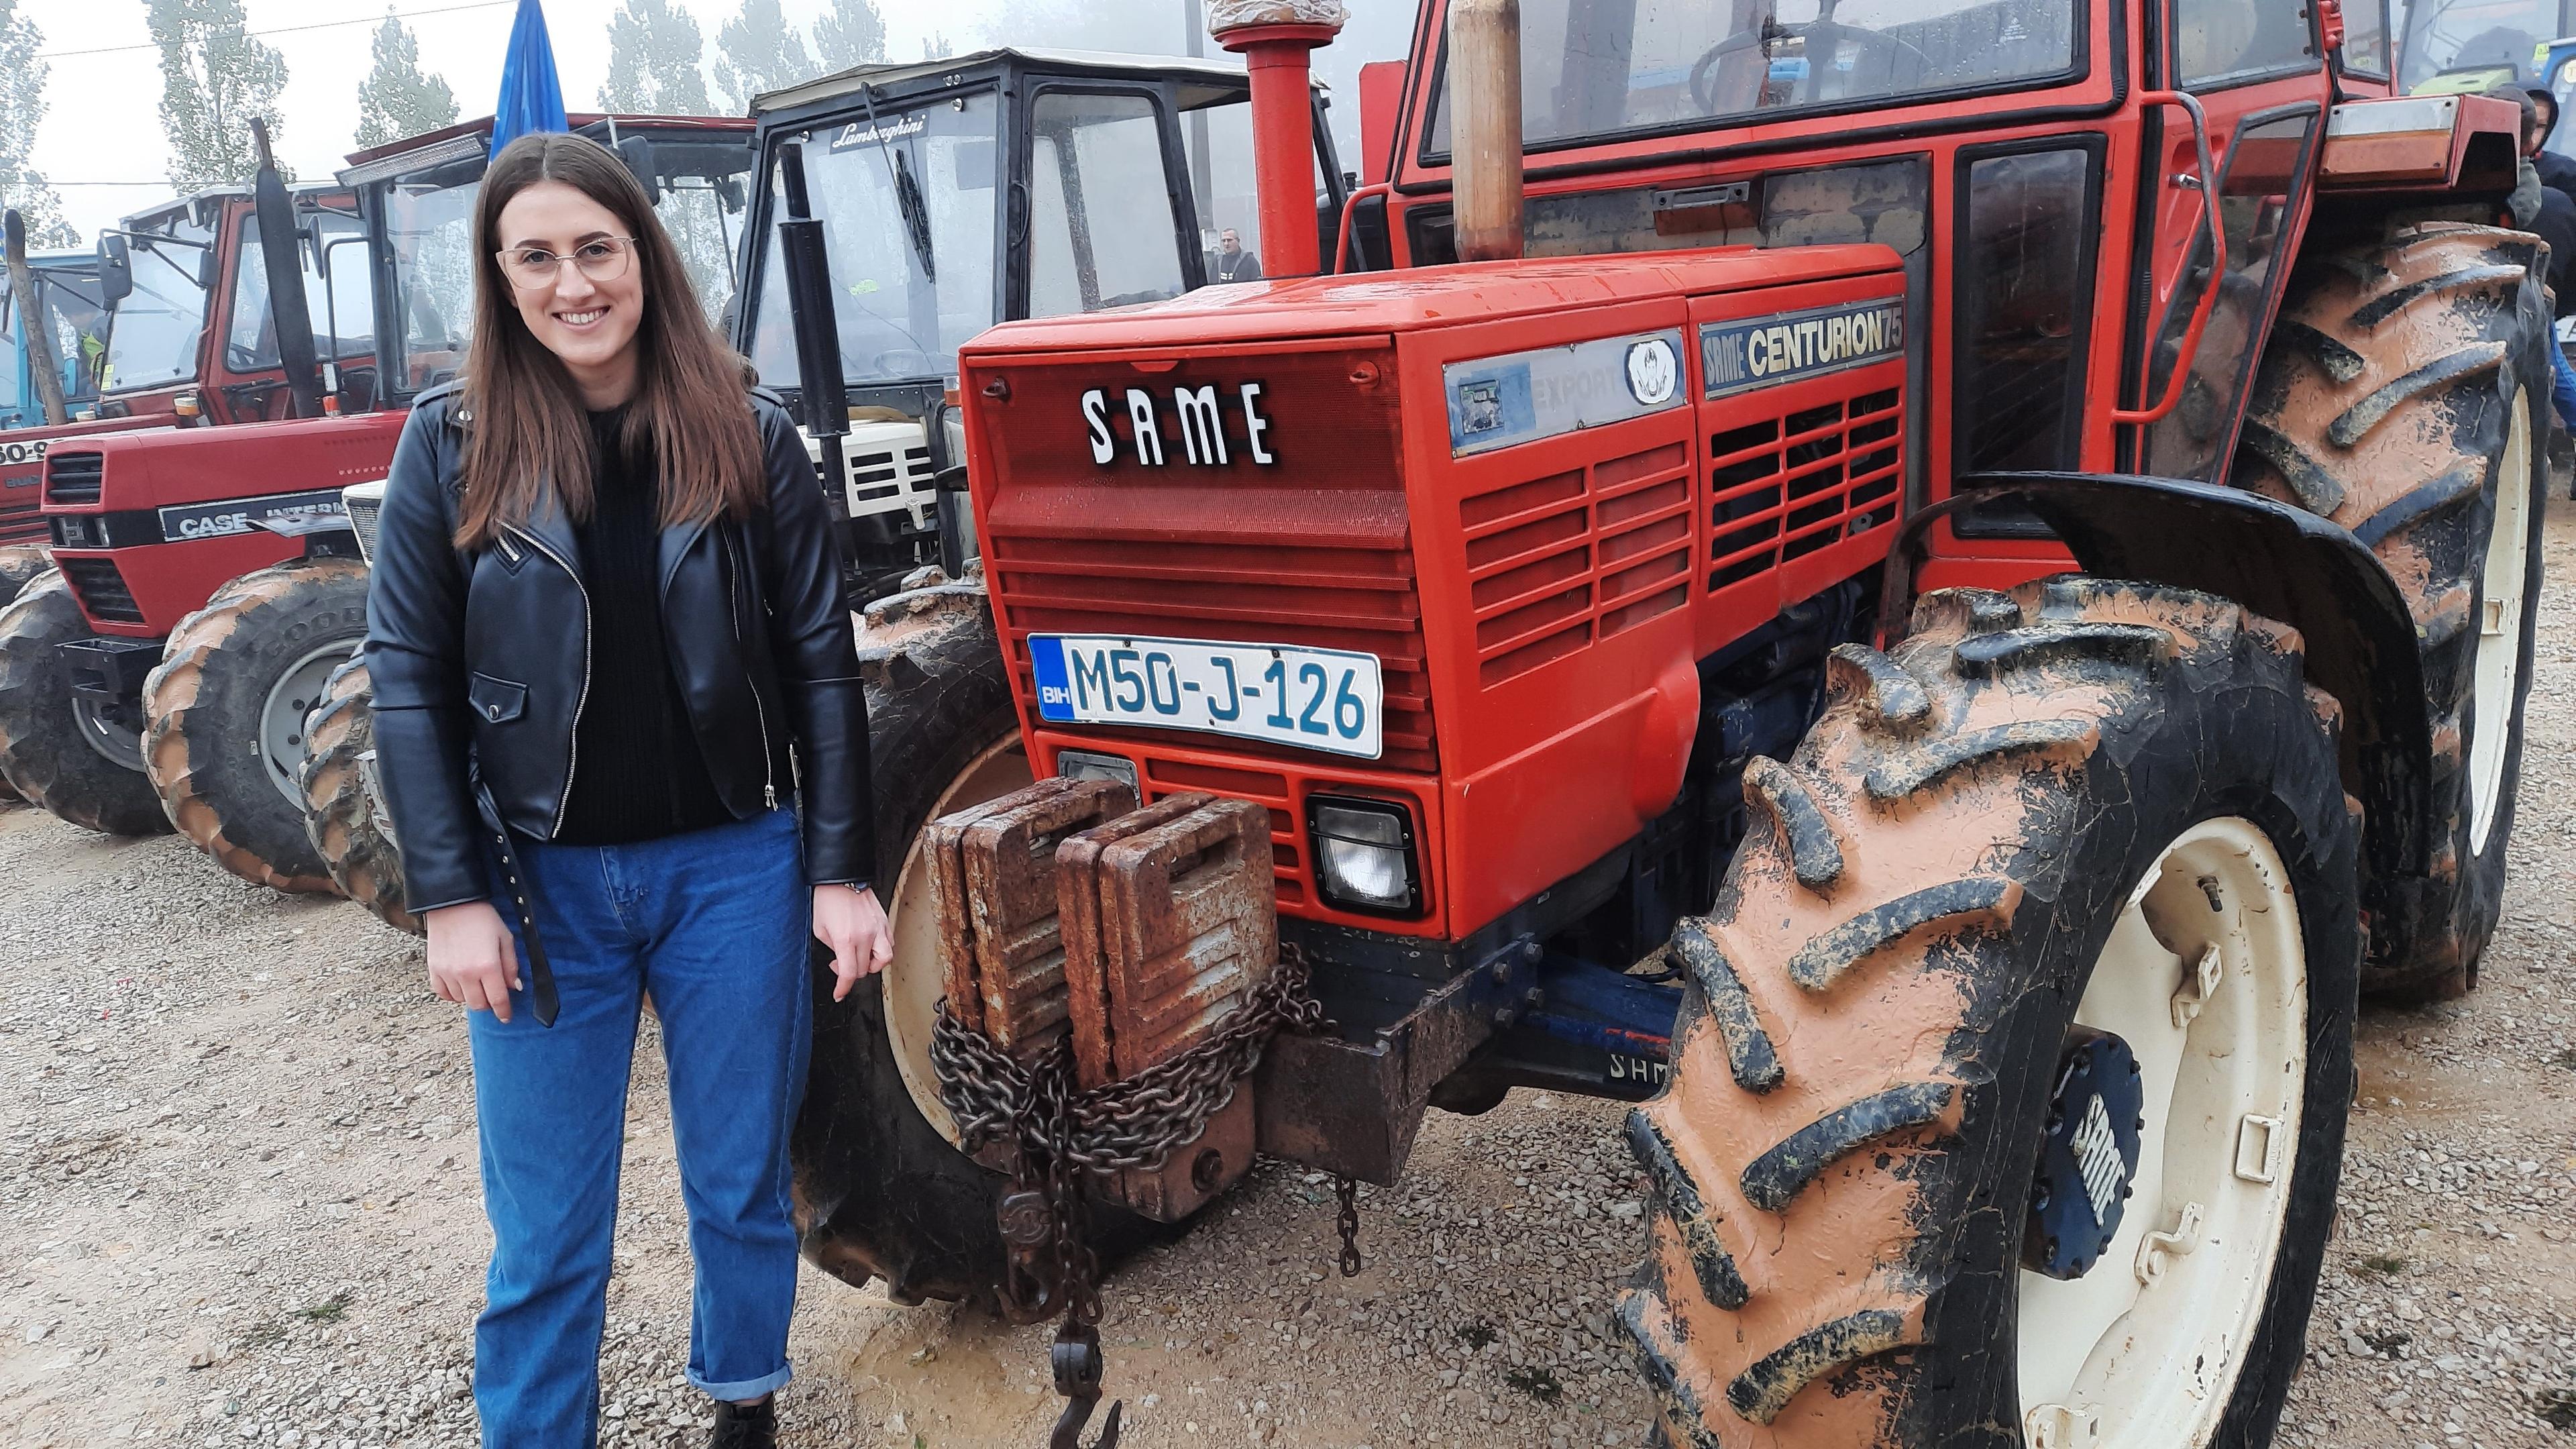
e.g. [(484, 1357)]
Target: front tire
[(2033, 820), (342, 815), (72, 755), (2405, 395), (225, 712), (20, 564)]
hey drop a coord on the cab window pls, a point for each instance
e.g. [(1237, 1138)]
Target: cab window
[(1102, 229), (2217, 40)]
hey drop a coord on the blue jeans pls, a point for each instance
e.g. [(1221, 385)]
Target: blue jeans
[(714, 923), (2562, 390)]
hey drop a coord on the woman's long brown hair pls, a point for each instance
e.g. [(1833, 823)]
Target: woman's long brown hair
[(530, 437)]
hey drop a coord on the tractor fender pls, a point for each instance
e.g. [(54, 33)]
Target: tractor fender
[(2281, 562)]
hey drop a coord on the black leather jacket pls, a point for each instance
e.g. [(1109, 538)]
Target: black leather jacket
[(480, 661)]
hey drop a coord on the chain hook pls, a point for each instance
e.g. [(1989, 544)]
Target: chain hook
[(1078, 1370)]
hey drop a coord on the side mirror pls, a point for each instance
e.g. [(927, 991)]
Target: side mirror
[(115, 269)]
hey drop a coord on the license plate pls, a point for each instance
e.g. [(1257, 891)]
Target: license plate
[(1320, 699)]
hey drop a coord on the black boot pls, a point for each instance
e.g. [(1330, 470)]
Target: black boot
[(745, 1426)]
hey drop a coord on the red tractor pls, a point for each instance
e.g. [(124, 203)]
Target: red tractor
[(209, 581), (1929, 591)]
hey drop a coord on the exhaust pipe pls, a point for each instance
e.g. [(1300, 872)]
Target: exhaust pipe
[(1485, 127), (1276, 39)]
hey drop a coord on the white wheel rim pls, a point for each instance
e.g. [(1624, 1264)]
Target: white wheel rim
[(2110, 1361), (913, 980), (281, 715), (106, 738), (2500, 606)]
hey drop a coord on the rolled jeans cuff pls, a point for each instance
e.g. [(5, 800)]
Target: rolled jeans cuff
[(742, 1390)]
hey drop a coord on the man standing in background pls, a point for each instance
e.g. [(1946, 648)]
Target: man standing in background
[(1233, 263)]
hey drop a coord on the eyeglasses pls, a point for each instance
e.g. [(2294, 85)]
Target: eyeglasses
[(602, 259)]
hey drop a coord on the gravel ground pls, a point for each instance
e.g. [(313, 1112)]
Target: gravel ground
[(238, 1208)]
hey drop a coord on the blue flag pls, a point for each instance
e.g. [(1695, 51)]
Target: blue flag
[(531, 98)]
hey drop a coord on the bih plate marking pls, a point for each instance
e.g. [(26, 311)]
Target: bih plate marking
[(1318, 699)]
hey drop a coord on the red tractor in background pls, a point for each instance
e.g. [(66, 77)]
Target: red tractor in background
[(209, 581), (1927, 591)]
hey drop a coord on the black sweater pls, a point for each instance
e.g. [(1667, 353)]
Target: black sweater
[(637, 774)]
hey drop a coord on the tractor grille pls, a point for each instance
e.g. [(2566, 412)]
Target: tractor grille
[(101, 590), (74, 477), (362, 519), (1555, 563), (22, 522), (1322, 596), (1784, 487)]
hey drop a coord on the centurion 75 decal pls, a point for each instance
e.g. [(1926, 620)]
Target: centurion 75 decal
[(1787, 346)]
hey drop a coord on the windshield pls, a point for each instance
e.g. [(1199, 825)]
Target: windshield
[(700, 196), (79, 322), (430, 228), (2470, 45), (701, 191), (897, 318), (344, 308), (154, 340), (1599, 67)]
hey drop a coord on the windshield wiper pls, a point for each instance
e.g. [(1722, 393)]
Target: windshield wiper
[(907, 192)]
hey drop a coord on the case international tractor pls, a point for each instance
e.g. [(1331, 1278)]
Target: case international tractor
[(880, 238), (1928, 591), (208, 581)]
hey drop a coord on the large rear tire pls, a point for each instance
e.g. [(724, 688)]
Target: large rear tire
[(2078, 808), (342, 815), (2405, 396), (224, 714), (881, 1189), (73, 756)]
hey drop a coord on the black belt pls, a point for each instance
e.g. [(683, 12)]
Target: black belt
[(541, 977)]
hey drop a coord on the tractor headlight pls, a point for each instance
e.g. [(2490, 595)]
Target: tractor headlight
[(1086, 765), (1364, 855)]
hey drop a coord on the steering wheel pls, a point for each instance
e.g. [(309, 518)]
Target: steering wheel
[(904, 362), (1823, 35)]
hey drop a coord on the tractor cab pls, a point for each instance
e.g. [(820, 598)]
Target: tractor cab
[(70, 309), (417, 200), (195, 337), (951, 195)]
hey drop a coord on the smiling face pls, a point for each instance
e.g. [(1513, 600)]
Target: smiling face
[(588, 323)]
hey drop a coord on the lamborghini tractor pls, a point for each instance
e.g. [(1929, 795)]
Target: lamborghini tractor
[(1928, 592), (210, 580)]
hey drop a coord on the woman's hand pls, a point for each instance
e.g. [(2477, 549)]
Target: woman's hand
[(854, 926), (472, 960)]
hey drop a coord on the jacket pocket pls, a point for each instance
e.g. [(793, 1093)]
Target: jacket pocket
[(496, 701)]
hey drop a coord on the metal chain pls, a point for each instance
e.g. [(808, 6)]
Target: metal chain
[(1136, 1122), (1349, 1222), (1057, 1136)]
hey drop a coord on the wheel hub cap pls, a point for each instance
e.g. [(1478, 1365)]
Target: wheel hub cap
[(2087, 1159)]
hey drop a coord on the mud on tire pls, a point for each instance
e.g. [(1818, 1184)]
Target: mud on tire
[(1863, 1066), (225, 714), (879, 1191), (2404, 379), (341, 811), (20, 563), (46, 749)]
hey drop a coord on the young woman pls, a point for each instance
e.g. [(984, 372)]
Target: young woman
[(624, 744)]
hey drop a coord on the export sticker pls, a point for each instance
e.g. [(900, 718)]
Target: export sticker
[(1520, 397), (1789, 346)]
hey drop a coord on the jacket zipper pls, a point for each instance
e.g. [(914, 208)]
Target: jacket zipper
[(768, 762), (572, 739)]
